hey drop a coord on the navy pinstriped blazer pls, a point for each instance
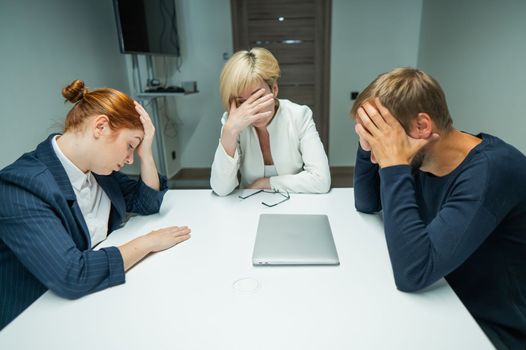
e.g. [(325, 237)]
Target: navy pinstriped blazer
[(44, 240)]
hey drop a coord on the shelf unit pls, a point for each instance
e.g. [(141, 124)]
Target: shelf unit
[(150, 95)]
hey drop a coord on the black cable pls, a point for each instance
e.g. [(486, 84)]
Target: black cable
[(174, 38), (174, 35), (163, 27)]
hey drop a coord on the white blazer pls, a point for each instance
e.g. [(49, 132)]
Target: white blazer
[(297, 152)]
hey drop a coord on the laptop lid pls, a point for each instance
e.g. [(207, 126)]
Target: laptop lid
[(291, 239)]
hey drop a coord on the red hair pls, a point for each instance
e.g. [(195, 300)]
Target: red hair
[(116, 105)]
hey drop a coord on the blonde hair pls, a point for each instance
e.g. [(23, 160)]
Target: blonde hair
[(245, 68), (116, 105), (405, 92)]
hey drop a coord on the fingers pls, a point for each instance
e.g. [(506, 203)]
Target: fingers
[(254, 118), (418, 144), (367, 122), (387, 116), (140, 109), (167, 237), (145, 118), (374, 115), (263, 102), (176, 230), (178, 234), (181, 239), (250, 111), (181, 236), (255, 96), (258, 101), (364, 145), (364, 134), (373, 158), (181, 231), (147, 122)]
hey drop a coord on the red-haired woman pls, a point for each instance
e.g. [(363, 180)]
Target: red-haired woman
[(66, 196)]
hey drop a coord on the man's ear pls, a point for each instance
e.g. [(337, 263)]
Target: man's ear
[(422, 126), (100, 126)]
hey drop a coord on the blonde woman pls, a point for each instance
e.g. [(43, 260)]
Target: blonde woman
[(272, 142)]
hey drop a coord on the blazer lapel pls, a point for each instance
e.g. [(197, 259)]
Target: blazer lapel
[(118, 205), (279, 141), (46, 154)]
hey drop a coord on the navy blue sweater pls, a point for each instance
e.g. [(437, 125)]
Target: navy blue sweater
[(468, 226)]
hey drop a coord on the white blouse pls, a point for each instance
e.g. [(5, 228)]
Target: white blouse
[(270, 170), (298, 155), (94, 203)]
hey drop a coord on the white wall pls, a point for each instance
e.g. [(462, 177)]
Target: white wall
[(45, 45), (368, 38), (477, 51)]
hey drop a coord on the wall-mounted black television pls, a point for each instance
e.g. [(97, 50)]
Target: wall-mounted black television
[(147, 27)]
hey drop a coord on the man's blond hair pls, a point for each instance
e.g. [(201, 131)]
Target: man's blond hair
[(406, 92), (245, 68)]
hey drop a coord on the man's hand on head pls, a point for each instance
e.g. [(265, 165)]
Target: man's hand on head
[(386, 137), (365, 145)]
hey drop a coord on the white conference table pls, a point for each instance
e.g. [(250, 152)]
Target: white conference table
[(205, 293)]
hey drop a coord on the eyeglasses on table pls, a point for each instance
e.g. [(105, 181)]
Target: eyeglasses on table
[(285, 195)]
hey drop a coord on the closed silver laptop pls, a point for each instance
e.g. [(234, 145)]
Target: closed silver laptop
[(290, 239)]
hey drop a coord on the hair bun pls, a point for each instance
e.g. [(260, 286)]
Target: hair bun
[(75, 91)]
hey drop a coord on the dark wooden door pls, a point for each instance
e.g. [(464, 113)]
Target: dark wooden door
[(297, 32)]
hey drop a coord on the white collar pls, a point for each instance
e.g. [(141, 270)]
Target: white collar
[(77, 178)]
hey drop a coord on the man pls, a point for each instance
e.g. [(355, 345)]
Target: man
[(454, 204)]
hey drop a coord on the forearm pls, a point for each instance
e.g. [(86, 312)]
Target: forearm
[(229, 140), (303, 182), (366, 183), (45, 248), (134, 251), (223, 178), (155, 241), (410, 248), (149, 174), (422, 252)]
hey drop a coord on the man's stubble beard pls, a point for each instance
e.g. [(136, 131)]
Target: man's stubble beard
[(418, 160)]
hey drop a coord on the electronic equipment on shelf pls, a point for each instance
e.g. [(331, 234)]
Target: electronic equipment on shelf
[(162, 89)]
